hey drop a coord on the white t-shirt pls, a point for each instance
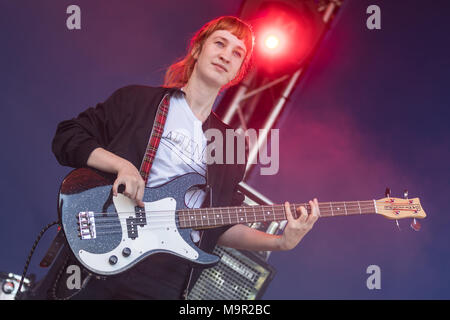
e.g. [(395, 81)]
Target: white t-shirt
[(181, 149)]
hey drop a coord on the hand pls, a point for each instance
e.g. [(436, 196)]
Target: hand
[(296, 229), (128, 175)]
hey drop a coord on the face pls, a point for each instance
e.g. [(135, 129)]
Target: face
[(220, 58)]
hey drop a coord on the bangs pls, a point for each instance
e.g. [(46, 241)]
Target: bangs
[(239, 29)]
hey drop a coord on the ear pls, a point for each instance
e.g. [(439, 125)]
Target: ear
[(195, 52)]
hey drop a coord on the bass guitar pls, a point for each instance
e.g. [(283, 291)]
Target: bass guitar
[(109, 234)]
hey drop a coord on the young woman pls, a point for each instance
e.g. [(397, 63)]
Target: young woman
[(113, 137)]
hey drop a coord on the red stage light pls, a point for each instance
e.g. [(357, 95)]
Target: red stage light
[(285, 36), (271, 42)]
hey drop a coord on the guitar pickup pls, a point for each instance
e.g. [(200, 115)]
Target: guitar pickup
[(86, 222)]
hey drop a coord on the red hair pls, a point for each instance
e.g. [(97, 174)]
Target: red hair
[(178, 74)]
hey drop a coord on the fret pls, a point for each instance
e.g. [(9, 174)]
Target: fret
[(345, 208), (258, 219), (192, 217), (338, 208), (229, 214), (268, 215), (331, 206), (246, 219), (359, 205), (221, 215), (201, 217), (179, 217), (239, 214), (183, 218), (273, 212)]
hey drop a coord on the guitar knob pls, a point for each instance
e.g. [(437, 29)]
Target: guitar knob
[(126, 252), (113, 260)]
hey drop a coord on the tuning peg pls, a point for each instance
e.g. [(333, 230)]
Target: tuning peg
[(405, 194), (398, 225), (415, 225), (387, 193)]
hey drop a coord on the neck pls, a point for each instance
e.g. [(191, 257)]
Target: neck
[(200, 96), (213, 217)]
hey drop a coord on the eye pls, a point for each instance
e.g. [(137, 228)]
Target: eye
[(220, 43), (238, 54)]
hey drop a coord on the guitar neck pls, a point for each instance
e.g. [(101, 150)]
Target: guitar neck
[(204, 218)]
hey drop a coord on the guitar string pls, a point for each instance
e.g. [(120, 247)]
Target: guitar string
[(113, 217), (100, 220), (148, 227), (323, 204), (210, 211), (118, 230)]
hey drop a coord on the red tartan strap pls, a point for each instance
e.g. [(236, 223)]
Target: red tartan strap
[(155, 137)]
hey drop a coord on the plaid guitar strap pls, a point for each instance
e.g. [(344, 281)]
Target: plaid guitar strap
[(155, 137)]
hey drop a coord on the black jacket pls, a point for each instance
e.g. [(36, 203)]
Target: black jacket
[(122, 125)]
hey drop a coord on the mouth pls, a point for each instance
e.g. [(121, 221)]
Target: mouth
[(220, 67)]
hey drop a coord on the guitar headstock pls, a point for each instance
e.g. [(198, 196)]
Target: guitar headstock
[(397, 208)]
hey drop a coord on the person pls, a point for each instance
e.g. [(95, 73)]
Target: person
[(113, 136)]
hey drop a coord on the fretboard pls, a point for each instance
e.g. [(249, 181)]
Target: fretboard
[(214, 217)]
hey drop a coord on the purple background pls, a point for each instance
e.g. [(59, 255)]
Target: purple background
[(369, 113)]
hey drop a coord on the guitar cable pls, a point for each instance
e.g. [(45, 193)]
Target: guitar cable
[(19, 293)]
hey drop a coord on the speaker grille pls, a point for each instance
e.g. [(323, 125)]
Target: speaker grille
[(240, 275)]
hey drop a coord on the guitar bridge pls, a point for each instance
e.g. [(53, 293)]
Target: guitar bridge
[(86, 222)]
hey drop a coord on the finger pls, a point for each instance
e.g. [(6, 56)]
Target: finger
[(287, 209), (140, 196), (116, 186), (312, 218), (129, 190), (317, 211), (303, 215)]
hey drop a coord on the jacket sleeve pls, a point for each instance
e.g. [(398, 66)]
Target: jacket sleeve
[(76, 138)]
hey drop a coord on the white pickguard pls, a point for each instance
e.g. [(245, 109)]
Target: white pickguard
[(160, 233)]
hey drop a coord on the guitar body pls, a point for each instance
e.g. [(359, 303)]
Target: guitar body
[(109, 235)]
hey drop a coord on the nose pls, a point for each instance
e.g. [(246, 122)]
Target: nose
[(225, 56)]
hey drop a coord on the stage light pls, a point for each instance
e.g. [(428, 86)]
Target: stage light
[(286, 32), (271, 42)]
